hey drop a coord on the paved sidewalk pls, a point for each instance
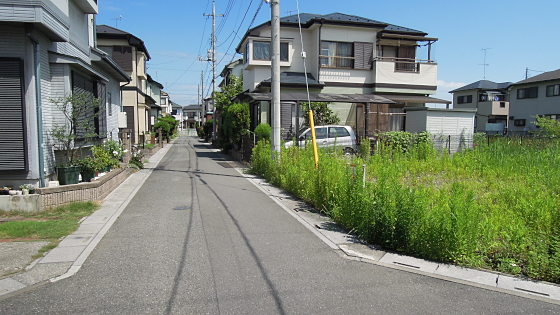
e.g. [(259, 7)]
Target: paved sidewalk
[(67, 258)]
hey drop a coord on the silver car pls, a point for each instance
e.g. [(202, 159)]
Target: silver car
[(342, 137)]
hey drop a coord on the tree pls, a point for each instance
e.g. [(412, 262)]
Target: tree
[(549, 126), (229, 131), (322, 114), (236, 122), (78, 129)]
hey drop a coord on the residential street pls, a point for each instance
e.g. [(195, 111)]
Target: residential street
[(199, 238)]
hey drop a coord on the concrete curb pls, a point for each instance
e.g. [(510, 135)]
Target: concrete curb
[(353, 248), (68, 257)]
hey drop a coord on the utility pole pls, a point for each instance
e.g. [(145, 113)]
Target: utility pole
[(212, 57), (275, 75), (203, 118)]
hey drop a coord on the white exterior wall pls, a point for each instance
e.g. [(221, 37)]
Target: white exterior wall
[(385, 73)]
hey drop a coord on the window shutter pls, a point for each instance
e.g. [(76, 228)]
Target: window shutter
[(122, 55), (80, 85), (101, 112), (13, 154), (363, 54)]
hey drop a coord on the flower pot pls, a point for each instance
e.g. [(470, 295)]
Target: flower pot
[(12, 192), (68, 175), (25, 191), (87, 176)]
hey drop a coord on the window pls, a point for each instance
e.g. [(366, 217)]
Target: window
[(335, 132), (519, 122), (532, 92), (464, 99), (96, 117), (261, 51), (122, 55), (13, 155), (503, 104), (337, 55), (246, 54), (553, 90), (109, 104)]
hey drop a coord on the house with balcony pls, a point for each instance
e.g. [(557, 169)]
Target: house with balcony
[(47, 52), (192, 116), (368, 71), (131, 54), (490, 101), (534, 96), (165, 103)]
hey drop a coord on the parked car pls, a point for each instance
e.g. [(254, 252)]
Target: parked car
[(329, 136)]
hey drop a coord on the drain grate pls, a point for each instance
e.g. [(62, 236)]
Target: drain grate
[(182, 208), (226, 164)]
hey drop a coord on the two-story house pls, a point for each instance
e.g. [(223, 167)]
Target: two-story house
[(192, 115), (47, 51), (490, 101), (165, 103), (130, 53), (368, 70), (154, 89), (538, 95)]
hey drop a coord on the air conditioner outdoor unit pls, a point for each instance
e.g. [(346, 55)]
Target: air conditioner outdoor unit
[(122, 120)]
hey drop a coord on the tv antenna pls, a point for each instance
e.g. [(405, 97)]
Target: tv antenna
[(484, 64), (117, 20)]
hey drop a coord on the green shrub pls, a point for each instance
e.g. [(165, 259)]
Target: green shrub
[(263, 131)]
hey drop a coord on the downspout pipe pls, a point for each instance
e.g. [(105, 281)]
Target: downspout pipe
[(39, 108)]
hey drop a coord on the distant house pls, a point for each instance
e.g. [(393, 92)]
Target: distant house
[(233, 68), (192, 115), (47, 51), (490, 101), (368, 70), (130, 53), (154, 89), (538, 95)]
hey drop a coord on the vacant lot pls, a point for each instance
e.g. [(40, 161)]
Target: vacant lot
[(496, 206)]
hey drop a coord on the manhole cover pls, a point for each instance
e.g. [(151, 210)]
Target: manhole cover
[(225, 164), (182, 208)]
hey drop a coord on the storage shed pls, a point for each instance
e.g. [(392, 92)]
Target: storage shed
[(451, 128)]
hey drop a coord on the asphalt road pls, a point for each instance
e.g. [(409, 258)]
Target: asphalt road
[(198, 238)]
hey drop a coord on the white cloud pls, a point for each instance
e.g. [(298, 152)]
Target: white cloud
[(449, 85)]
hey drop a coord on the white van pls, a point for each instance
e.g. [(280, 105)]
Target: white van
[(342, 137)]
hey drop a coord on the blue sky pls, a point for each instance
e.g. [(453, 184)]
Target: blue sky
[(516, 35)]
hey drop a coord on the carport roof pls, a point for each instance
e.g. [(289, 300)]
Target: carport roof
[(416, 99), (322, 97)]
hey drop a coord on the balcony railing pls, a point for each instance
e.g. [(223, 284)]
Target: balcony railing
[(405, 64), (337, 62)]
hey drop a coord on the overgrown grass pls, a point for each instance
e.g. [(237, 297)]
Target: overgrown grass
[(496, 206), (48, 225)]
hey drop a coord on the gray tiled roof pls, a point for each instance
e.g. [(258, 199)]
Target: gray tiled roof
[(547, 76), (483, 85), (105, 31), (341, 17), (295, 78)]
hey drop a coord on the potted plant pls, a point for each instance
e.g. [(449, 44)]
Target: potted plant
[(88, 167), (25, 188), (5, 191), (78, 130)]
